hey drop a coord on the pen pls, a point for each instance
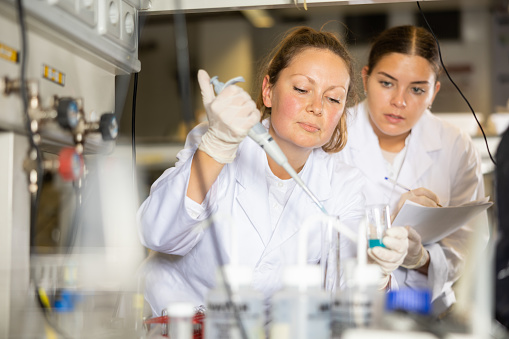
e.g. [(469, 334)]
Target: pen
[(397, 184), (402, 186)]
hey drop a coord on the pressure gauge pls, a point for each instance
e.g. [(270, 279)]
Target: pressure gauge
[(71, 164), (67, 113), (108, 126)]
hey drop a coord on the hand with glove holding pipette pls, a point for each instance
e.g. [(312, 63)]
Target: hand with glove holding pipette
[(301, 107), (230, 116)]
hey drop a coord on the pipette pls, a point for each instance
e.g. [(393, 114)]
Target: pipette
[(259, 134)]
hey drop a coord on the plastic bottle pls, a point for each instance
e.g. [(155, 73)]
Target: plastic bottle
[(301, 309), (180, 324), (360, 303), (68, 315), (220, 318)]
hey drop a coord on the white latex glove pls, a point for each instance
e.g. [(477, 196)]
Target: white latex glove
[(231, 115), (421, 196), (392, 256), (417, 255)]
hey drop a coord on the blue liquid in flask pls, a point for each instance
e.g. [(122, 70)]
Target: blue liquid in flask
[(375, 242)]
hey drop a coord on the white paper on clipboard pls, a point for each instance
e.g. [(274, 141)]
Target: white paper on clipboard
[(435, 223)]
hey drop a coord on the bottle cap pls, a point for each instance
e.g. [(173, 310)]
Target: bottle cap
[(409, 300), (180, 309), (64, 302)]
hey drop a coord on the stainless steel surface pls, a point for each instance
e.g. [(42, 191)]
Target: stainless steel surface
[(14, 230), (75, 48), (169, 6)]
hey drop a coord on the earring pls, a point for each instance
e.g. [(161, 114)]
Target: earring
[(429, 107), (365, 93)]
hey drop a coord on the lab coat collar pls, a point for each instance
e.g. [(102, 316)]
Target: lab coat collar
[(360, 133), (317, 179), (427, 131), (366, 155), (424, 138), (253, 183), (253, 193)]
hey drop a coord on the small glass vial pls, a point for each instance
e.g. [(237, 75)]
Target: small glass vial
[(180, 320), (301, 309)]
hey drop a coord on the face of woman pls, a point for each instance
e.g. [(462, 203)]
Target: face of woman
[(399, 89), (308, 99)]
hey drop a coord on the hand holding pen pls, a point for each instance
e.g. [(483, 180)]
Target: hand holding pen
[(422, 196)]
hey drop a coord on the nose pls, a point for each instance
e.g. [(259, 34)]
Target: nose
[(316, 105), (398, 99)]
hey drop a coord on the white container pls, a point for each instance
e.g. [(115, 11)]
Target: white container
[(301, 309), (180, 324), (359, 304), (220, 318)]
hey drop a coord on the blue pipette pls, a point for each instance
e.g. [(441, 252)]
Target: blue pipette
[(259, 134)]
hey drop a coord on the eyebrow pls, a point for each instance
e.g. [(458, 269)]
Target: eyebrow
[(413, 82), (328, 89)]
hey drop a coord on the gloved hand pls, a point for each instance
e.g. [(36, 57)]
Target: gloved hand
[(231, 115), (417, 255), (421, 196), (392, 256)]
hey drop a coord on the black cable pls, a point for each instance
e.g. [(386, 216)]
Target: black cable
[(48, 316), (34, 151), (446, 72), (23, 60), (133, 130), (141, 23), (182, 45), (76, 220)]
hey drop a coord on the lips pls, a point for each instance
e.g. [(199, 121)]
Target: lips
[(394, 118), (309, 127)]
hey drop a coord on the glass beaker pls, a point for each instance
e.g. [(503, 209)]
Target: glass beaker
[(378, 221)]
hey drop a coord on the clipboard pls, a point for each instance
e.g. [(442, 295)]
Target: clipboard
[(435, 223)]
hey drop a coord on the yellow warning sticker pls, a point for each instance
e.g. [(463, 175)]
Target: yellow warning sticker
[(53, 75), (9, 53)]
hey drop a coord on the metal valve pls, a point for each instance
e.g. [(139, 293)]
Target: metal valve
[(108, 126), (67, 113), (70, 165)]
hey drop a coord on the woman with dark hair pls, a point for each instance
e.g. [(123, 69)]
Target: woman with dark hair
[(304, 94), (395, 136)]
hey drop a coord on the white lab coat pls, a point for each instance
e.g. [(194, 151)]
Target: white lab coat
[(439, 157), (186, 266)]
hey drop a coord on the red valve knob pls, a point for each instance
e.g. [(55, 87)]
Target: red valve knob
[(71, 164)]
